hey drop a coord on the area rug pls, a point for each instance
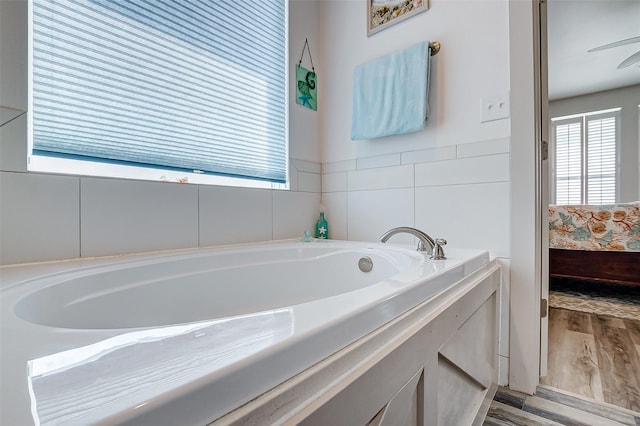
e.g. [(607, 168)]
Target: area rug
[(598, 298)]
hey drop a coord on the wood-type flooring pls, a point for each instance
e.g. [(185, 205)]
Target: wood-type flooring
[(553, 407), (593, 376), (595, 356)]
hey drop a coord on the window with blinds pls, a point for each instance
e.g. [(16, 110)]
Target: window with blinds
[(585, 158), (198, 85)]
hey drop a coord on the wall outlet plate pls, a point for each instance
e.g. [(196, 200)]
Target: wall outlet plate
[(494, 107)]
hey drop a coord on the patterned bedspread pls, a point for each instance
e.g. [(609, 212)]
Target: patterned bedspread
[(607, 227)]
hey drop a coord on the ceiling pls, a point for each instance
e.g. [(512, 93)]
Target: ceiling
[(574, 27)]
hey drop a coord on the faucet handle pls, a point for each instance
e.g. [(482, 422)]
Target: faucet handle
[(438, 253)]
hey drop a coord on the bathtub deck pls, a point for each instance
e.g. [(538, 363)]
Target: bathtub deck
[(172, 369)]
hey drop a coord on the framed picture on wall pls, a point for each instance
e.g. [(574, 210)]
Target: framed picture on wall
[(384, 13)]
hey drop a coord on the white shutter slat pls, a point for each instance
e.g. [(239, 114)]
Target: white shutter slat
[(568, 163), (601, 160)]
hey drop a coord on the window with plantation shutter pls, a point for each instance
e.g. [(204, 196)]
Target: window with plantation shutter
[(601, 160), (568, 143), (585, 158), (197, 85)]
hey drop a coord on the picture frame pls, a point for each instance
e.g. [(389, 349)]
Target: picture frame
[(385, 13)]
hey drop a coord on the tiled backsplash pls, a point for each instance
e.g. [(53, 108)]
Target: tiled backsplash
[(440, 190), (51, 217)]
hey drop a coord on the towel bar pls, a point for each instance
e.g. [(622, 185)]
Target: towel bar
[(435, 47)]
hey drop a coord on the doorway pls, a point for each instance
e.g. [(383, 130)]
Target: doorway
[(591, 354)]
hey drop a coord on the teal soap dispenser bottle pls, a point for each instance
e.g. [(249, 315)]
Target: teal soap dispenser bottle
[(322, 227)]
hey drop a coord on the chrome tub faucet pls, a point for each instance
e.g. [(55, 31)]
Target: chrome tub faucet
[(424, 241)]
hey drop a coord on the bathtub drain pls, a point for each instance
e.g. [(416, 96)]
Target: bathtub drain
[(365, 264)]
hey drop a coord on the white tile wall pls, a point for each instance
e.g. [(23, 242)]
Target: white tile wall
[(458, 192), (306, 166), (293, 213), (122, 216), (39, 217), (432, 154), (293, 176), (372, 213), (334, 182), (378, 161), (339, 166), (490, 147), (51, 217), (234, 215), (491, 168), (505, 296), (335, 209), (309, 182), (381, 178), (13, 154), (7, 114), (304, 176), (469, 216)]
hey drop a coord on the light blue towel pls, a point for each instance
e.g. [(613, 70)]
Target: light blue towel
[(390, 94)]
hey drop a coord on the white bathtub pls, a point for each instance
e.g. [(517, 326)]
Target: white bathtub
[(186, 337)]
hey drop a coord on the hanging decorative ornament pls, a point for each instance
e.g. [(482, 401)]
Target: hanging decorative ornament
[(306, 82)]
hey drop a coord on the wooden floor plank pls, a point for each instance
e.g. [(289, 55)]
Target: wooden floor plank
[(634, 330), (505, 414), (608, 364), (610, 321), (492, 421), (572, 361), (560, 318), (579, 322), (619, 364), (605, 410), (564, 414), (553, 406), (509, 397)]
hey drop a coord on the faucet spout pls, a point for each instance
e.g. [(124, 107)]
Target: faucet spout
[(424, 240)]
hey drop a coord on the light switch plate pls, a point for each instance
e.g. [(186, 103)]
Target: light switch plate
[(495, 107)]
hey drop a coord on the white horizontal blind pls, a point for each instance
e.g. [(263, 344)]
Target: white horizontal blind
[(585, 158), (194, 85), (601, 160), (568, 167)]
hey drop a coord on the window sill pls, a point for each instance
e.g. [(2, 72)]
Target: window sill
[(65, 166)]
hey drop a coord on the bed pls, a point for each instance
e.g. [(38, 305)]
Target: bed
[(595, 243)]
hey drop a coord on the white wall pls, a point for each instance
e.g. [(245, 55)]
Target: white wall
[(473, 63), (450, 179), (49, 217), (628, 98)]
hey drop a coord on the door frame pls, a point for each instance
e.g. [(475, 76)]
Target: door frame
[(544, 140), (526, 212)]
